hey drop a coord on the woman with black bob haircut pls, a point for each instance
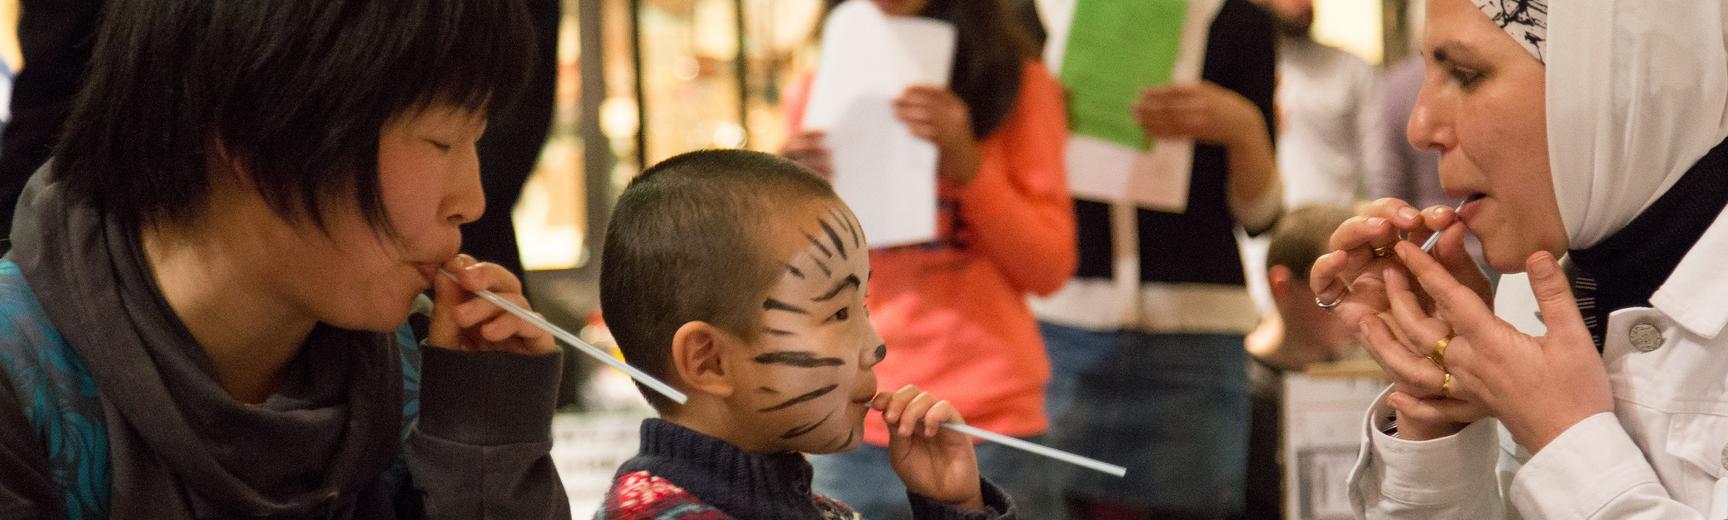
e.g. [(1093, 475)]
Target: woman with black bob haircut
[(204, 312)]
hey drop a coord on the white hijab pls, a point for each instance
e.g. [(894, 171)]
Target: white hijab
[(1637, 93)]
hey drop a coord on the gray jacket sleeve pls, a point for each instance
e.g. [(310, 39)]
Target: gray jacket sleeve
[(482, 446)]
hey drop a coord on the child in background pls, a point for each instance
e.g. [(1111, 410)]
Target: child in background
[(739, 278)]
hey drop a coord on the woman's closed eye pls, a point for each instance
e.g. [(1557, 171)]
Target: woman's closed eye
[(441, 146)]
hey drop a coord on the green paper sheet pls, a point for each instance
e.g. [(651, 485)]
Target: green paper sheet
[(1116, 48)]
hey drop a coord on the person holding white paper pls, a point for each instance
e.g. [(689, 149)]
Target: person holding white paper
[(953, 311), (1146, 341)]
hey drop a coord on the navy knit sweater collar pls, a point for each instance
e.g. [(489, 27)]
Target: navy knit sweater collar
[(742, 484)]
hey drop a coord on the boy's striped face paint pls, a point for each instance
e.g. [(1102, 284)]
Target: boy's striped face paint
[(813, 363)]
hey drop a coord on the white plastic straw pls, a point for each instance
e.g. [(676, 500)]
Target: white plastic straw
[(1435, 239), (595, 352), (1039, 449)]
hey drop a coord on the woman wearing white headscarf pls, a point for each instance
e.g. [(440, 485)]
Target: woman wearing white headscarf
[(1593, 131)]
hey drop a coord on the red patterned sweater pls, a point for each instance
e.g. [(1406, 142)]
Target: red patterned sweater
[(684, 475)]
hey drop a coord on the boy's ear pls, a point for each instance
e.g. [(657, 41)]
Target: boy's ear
[(698, 357), (1278, 280)]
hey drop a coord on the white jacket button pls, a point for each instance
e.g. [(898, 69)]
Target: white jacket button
[(1645, 337)]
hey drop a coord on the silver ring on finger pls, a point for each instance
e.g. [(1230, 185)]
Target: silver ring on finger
[(1328, 305)]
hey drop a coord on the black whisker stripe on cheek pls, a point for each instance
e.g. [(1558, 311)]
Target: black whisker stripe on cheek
[(777, 332), (843, 442), (798, 359), (819, 246), (824, 267), (834, 237), (777, 305), (819, 392), (767, 390), (794, 271), (851, 280), (801, 430)]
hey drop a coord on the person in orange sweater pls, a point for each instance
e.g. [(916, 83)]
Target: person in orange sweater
[(954, 310)]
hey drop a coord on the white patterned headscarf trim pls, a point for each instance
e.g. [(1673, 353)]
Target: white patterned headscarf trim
[(1526, 21)]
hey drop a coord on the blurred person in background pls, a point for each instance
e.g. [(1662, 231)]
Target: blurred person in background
[(55, 37), (953, 312), (1395, 169), (1155, 381), (1289, 339), (1325, 122)]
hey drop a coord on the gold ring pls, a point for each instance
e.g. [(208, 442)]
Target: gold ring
[(1446, 386), (1440, 346), (1382, 251)]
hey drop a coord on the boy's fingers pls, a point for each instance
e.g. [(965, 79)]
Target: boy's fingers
[(943, 412), (897, 404), (914, 414), (880, 402)]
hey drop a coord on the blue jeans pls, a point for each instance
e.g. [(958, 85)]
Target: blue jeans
[(1172, 408), (864, 480)]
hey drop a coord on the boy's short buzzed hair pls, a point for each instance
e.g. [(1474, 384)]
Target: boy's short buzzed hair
[(685, 244), (1302, 235)]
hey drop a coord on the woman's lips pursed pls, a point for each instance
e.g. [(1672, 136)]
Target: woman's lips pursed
[(1470, 207)]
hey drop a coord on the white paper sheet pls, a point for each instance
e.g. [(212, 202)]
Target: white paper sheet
[(887, 175)]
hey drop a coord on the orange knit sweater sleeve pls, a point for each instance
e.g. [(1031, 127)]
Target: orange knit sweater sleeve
[(1018, 208)]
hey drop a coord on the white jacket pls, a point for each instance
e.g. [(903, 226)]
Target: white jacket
[(1662, 454)]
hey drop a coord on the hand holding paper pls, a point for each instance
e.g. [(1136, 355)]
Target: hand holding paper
[(937, 115), (1201, 111), (884, 172)]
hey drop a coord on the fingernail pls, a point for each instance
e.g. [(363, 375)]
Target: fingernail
[(1376, 221), (1362, 325), (1409, 214), (1545, 266)]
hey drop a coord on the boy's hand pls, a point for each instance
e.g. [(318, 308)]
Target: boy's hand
[(462, 321), (933, 462)]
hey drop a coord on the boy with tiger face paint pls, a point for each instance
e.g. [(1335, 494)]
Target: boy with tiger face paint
[(740, 278)]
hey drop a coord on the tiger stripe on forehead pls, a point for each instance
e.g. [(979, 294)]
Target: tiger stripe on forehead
[(850, 225), (835, 237), (818, 245), (836, 233)]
